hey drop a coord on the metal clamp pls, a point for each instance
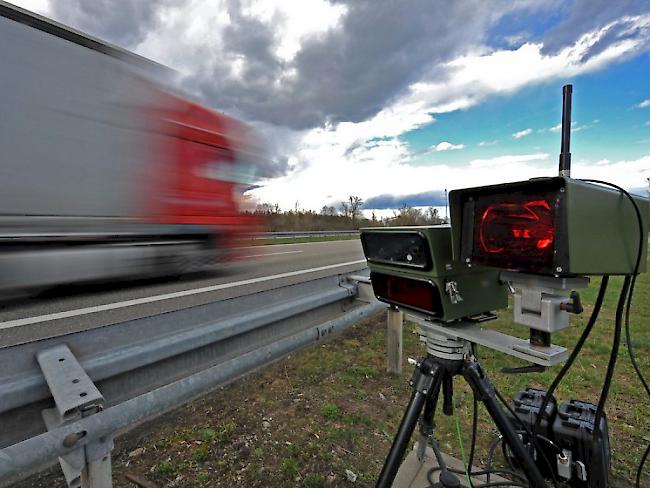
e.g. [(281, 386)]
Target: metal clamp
[(540, 302), (75, 396)]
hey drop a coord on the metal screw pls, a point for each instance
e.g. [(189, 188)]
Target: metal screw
[(467, 260), (424, 392), (561, 190), (558, 269)]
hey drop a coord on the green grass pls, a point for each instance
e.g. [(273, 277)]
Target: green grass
[(226, 432), (329, 411), (360, 394), (314, 481), (201, 454), (206, 434), (290, 468), (164, 468)]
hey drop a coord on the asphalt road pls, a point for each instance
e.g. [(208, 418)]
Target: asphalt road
[(66, 309)]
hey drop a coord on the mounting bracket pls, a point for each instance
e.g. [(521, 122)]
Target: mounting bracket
[(75, 396)]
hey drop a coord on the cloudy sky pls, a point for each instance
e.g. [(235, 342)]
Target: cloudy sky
[(395, 101)]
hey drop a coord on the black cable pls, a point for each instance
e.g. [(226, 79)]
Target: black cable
[(618, 323), (532, 437), (628, 338), (550, 443), (628, 341), (490, 457), (436, 451), (521, 478), (501, 483), (504, 452), (574, 353)]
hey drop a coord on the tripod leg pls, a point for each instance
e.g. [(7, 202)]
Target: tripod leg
[(427, 424), (485, 391), (448, 395), (423, 380)]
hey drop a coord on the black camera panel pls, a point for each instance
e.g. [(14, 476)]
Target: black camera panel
[(408, 249)]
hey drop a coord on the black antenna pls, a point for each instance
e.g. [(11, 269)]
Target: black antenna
[(565, 152)]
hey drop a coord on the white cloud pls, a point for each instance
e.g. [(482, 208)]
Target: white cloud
[(488, 143), (485, 72), (625, 173), (330, 168), (39, 6), (644, 103), (386, 172), (446, 146), (578, 128), (574, 127), (522, 133), (647, 123)]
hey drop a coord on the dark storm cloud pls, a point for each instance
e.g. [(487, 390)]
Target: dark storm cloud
[(347, 74), (426, 199), (124, 22), (351, 72), (582, 16)]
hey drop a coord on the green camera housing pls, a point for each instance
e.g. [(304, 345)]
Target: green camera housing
[(412, 267), (553, 226)]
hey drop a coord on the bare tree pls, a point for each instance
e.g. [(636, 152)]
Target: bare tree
[(354, 207), (433, 217), (345, 209)]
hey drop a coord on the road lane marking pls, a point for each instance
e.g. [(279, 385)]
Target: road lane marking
[(297, 244), (270, 254), (166, 296)]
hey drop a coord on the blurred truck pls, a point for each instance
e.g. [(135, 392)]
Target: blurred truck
[(105, 172)]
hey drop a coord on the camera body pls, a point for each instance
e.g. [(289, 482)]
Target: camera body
[(552, 226), (412, 267)]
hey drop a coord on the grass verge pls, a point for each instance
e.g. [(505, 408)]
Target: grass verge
[(307, 419)]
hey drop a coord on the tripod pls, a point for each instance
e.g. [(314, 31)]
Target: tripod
[(445, 359)]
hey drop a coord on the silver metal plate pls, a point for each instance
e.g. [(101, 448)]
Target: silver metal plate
[(513, 346), (73, 391)]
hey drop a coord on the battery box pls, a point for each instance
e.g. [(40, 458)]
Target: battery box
[(526, 404), (584, 460)]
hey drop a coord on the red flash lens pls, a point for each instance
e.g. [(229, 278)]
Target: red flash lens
[(417, 294), (517, 228), (515, 231)]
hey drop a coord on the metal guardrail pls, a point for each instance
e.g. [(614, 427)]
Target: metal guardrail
[(147, 366), (306, 233)]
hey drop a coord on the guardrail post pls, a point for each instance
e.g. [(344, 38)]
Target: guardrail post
[(394, 321), (75, 397)]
